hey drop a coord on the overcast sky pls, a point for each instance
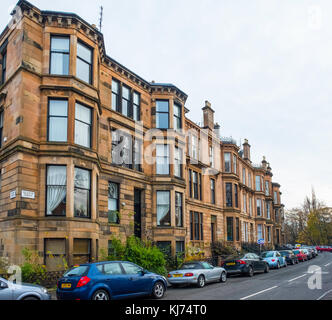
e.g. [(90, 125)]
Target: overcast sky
[(265, 65)]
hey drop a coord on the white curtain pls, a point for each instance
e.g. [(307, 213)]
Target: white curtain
[(56, 187), (163, 207)]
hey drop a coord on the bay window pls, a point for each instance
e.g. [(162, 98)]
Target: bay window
[(84, 62), (177, 118), (83, 125), (162, 159), (229, 195), (235, 164), (56, 190), (178, 162), (113, 203), (82, 193), (258, 183), (259, 207), (163, 208), (227, 157), (162, 114), (230, 228), (59, 64), (178, 209), (57, 120)]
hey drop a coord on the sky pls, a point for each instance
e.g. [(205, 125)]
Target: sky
[(265, 65)]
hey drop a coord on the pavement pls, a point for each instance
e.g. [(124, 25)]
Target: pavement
[(290, 283)]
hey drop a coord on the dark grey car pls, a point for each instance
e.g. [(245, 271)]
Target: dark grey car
[(24, 291)]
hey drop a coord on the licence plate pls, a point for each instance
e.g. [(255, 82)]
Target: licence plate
[(230, 264), (177, 275), (66, 285)]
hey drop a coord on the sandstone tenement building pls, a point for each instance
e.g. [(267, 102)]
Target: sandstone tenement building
[(66, 107)]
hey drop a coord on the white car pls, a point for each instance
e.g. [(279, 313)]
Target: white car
[(198, 273)]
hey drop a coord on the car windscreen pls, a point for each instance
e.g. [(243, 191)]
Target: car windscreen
[(267, 254), (187, 266), (77, 271), (296, 251), (284, 253)]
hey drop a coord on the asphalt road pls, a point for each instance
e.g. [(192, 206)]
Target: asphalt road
[(290, 283)]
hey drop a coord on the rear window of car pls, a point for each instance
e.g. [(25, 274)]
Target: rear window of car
[(267, 254), (296, 251), (77, 271), (191, 266)]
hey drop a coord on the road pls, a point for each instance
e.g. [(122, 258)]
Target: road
[(290, 283)]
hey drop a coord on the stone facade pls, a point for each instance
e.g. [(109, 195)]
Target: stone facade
[(27, 153)]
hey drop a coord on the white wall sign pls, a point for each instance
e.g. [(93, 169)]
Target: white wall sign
[(12, 194), (28, 194)]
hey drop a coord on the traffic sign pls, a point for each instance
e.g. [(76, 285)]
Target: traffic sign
[(261, 241)]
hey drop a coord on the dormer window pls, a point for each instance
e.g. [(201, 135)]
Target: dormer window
[(59, 64)]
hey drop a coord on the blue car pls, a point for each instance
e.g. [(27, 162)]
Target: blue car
[(110, 280), (274, 259)]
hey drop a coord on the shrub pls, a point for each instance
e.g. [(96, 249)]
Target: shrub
[(32, 271), (143, 253)]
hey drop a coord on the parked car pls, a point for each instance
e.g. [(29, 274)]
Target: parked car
[(324, 249), (24, 291), (300, 255), (308, 253), (311, 250), (247, 264), (198, 273), (110, 280), (290, 257), (274, 259)]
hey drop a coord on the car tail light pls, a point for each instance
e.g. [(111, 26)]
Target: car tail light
[(241, 262), (273, 260), (83, 282), (222, 263), (169, 276), (189, 274)]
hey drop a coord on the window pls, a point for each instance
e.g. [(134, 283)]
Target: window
[(249, 180), (275, 197), (83, 124), (57, 120), (190, 183), (260, 231), (213, 228), (84, 62), (163, 208), (227, 156), (3, 64), (213, 191), (196, 226), (267, 191), (113, 203), (82, 193), (236, 196), (162, 114), (131, 268), (115, 95), (1, 127), (56, 190), (250, 206), (137, 155), (180, 248), (195, 184), (54, 253), (125, 101), (178, 162), (244, 175), (268, 210), (59, 64), (194, 147), (237, 229), (178, 210), (136, 106), (122, 151), (235, 164), (177, 119), (258, 183), (162, 159), (259, 207), (200, 186), (244, 203), (230, 229), (229, 195), (165, 247), (268, 234), (112, 268), (211, 154), (82, 251)]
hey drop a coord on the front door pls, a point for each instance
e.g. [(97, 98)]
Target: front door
[(138, 213)]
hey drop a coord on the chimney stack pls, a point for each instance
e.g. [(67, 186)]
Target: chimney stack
[(217, 130), (264, 163), (246, 150), (208, 114)]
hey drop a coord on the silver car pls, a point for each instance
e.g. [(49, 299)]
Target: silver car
[(198, 273), (24, 291)]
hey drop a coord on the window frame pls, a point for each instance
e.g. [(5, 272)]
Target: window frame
[(213, 191), (162, 112), (179, 225), (90, 125), (91, 64), (229, 194), (175, 117), (167, 157), (63, 53), (117, 203), (169, 206), (89, 216), (4, 61), (50, 116), (228, 162)]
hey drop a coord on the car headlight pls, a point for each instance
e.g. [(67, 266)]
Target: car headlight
[(44, 290)]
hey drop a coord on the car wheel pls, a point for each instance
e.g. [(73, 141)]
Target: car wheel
[(100, 295), (278, 265), (201, 281), (267, 269), (223, 277), (158, 290), (250, 272)]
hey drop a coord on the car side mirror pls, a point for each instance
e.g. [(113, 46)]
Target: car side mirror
[(143, 272), (3, 285)]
